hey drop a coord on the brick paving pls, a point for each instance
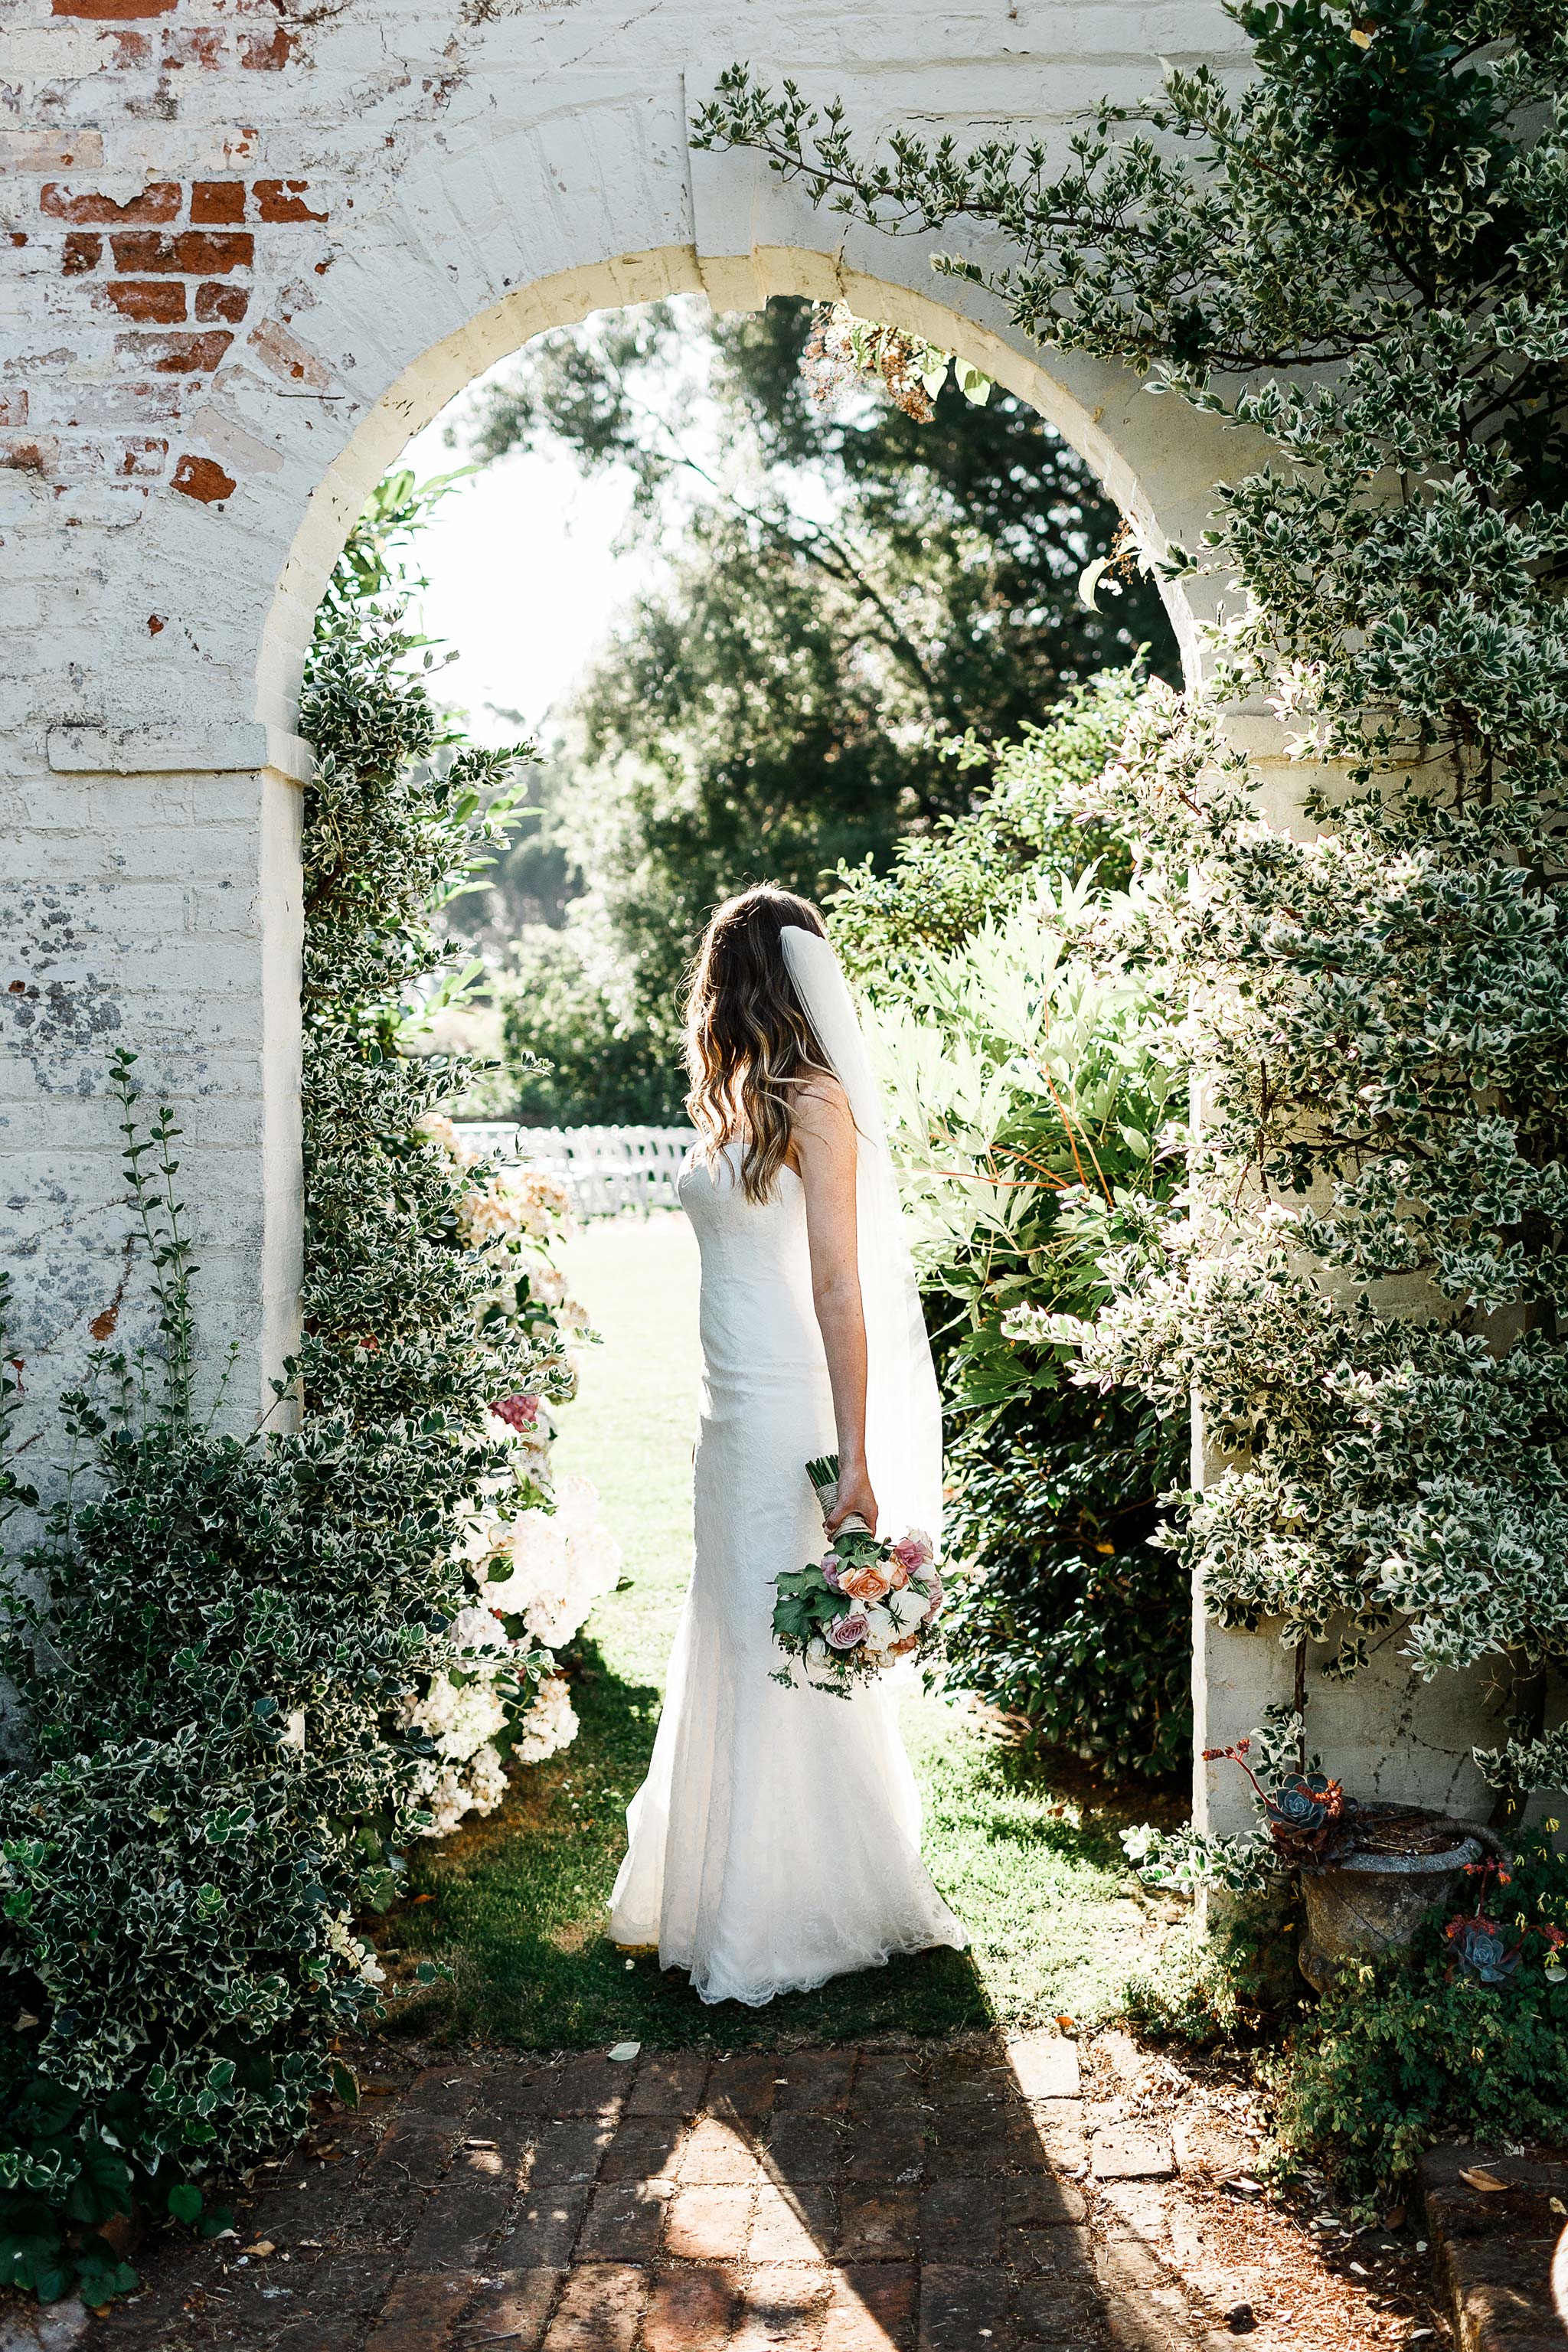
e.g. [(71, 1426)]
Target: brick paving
[(1503, 2252), (925, 2199)]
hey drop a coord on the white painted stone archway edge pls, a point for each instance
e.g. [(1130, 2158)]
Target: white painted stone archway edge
[(408, 193)]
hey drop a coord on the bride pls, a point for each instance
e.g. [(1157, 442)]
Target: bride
[(775, 1841)]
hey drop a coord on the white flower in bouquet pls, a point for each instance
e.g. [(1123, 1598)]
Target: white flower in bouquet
[(882, 1628), (906, 1608), (550, 1724)]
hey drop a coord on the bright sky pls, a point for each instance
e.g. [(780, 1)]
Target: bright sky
[(523, 582)]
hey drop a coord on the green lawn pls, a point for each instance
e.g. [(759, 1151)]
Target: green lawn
[(516, 1906)]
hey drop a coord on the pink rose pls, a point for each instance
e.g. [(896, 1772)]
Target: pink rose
[(912, 1552), (846, 1632), (933, 1593), (867, 1584), (831, 1572), (518, 1412)]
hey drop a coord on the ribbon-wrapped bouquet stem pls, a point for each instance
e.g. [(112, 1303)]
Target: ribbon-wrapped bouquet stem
[(867, 1603)]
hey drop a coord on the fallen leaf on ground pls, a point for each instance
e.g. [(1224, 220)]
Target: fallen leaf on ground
[(1487, 2182)]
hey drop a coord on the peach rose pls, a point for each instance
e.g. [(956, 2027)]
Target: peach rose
[(867, 1584)]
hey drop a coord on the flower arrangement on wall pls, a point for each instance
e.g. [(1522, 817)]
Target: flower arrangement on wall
[(534, 1547)]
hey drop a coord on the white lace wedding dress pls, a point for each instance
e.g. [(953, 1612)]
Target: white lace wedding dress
[(775, 1841)]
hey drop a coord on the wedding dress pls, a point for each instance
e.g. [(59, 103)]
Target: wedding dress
[(775, 1841)]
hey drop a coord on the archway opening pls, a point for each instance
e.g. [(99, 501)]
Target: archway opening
[(1007, 601)]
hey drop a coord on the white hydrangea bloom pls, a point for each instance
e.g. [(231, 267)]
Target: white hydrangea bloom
[(478, 1628), (550, 1724), (458, 1721), (563, 1562), (341, 1939)]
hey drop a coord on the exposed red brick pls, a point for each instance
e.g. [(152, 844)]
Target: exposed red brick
[(13, 407), (157, 302), (283, 200), (140, 453), (268, 56), (288, 357), (217, 204), (112, 10), (159, 200), (28, 456), (132, 49), (174, 353), (196, 251), (156, 624), (229, 302), (203, 478), (18, 236), (82, 253), (202, 46)]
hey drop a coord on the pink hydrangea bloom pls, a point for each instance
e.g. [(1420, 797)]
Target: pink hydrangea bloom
[(519, 1411)]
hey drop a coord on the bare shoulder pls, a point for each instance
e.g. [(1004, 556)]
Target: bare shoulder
[(820, 1112)]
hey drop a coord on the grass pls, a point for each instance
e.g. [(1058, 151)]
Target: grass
[(1025, 1852)]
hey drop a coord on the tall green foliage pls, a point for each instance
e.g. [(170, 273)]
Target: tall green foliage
[(847, 583), (217, 1638), (1361, 256), (1037, 1127)]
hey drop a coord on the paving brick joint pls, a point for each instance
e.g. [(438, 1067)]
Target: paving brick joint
[(925, 2199)]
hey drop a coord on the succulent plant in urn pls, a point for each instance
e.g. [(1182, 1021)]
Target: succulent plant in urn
[(1308, 1817)]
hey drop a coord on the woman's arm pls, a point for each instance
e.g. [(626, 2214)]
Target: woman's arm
[(825, 1148)]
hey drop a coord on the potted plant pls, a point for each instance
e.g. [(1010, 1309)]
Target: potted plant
[(1369, 1870)]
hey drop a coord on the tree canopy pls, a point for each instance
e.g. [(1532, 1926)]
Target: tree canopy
[(850, 587)]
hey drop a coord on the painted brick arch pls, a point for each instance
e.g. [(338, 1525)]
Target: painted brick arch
[(253, 246), (250, 248)]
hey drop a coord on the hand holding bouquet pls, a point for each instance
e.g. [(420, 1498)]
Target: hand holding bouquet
[(866, 1605)]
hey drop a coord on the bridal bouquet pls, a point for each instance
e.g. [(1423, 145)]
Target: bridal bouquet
[(863, 1605)]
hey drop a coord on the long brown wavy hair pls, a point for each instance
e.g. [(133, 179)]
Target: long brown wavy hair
[(748, 1041)]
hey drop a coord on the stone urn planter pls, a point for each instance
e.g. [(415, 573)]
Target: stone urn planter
[(1405, 1860)]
